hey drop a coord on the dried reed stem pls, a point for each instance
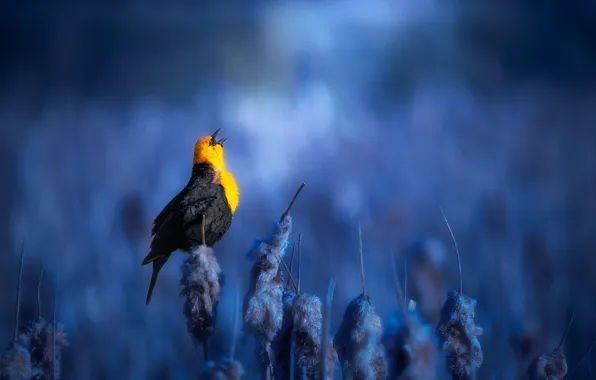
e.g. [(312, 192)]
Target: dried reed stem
[(290, 275), (291, 262), (292, 202), (461, 285), (566, 332), (361, 260), (584, 356)]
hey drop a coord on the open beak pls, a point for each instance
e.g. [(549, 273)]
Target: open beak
[(214, 138)]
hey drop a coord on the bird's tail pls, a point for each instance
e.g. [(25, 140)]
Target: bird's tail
[(158, 263)]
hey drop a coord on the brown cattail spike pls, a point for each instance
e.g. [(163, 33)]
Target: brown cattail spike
[(358, 342), (458, 336), (263, 307), (201, 284), (410, 348), (553, 364), (361, 261), (456, 251), (292, 202), (307, 311)]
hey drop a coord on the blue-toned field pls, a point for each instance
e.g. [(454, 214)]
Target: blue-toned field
[(387, 110)]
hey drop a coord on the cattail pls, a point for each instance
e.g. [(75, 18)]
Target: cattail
[(15, 362), (222, 369), (36, 351), (457, 331), (552, 365), (458, 336), (524, 342), (281, 345), (263, 304), (358, 340), (307, 335), (421, 349), (410, 345), (201, 282), (225, 368), (45, 346), (427, 262), (411, 349), (263, 312), (394, 339)]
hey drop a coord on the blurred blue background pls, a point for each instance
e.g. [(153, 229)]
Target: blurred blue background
[(386, 109)]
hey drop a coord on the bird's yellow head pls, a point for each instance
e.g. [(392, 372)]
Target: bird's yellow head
[(210, 150)]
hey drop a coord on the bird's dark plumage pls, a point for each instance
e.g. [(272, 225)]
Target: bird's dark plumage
[(179, 224)]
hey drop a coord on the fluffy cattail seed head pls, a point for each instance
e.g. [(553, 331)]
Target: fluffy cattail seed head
[(411, 348), (550, 366), (358, 342), (263, 309), (307, 334), (15, 363), (201, 284), (458, 336)]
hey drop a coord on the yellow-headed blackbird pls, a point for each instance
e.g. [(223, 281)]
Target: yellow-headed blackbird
[(211, 193)]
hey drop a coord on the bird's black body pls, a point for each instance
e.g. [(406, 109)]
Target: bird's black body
[(179, 225)]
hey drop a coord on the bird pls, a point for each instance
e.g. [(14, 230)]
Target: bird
[(210, 197)]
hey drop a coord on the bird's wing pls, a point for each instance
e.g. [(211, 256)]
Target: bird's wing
[(165, 238), (168, 212), (197, 200), (166, 226)]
